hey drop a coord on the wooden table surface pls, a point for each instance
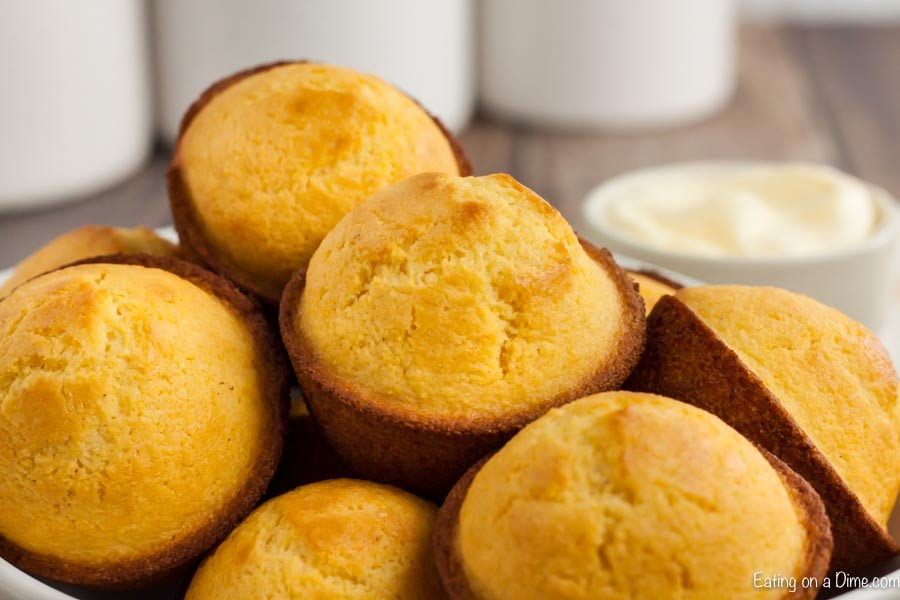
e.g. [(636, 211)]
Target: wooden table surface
[(825, 94)]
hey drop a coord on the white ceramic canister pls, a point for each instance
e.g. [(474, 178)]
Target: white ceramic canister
[(75, 112), (607, 63), (425, 48)]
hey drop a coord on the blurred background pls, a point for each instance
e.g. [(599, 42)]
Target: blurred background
[(561, 94)]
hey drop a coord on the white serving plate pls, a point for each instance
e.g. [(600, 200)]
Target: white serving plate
[(18, 585)]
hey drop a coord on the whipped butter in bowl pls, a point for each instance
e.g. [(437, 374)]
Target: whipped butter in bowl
[(804, 227)]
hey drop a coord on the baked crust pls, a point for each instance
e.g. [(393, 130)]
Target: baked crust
[(657, 276), (815, 519), (686, 359), (183, 213), (423, 454), (84, 242), (815, 562), (144, 571), (445, 533)]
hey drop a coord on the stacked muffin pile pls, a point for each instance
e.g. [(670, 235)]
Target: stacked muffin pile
[(447, 332)]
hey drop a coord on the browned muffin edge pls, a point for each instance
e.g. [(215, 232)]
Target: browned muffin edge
[(418, 452), (686, 360), (185, 218), (144, 571)]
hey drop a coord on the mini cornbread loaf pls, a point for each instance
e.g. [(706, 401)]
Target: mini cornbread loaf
[(85, 242), (653, 286), (443, 314), (141, 416), (625, 495), (801, 380), (270, 159), (335, 539)]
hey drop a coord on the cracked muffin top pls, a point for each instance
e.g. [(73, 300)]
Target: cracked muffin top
[(134, 408), (334, 539), (271, 159), (628, 495), (463, 297)]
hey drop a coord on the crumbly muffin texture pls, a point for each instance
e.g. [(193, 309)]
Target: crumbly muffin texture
[(130, 412), (831, 374), (458, 297), (274, 161), (335, 539), (628, 495)]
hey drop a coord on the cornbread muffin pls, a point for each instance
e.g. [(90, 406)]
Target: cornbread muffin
[(443, 314), (269, 160), (801, 380), (85, 242), (335, 539), (652, 286), (142, 410), (624, 495)]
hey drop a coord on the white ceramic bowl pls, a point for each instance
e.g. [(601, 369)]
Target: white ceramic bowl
[(17, 585), (857, 281)]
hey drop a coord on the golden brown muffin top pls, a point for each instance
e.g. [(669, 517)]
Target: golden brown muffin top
[(130, 412), (335, 539), (86, 242), (273, 161), (465, 297), (831, 374), (628, 495)]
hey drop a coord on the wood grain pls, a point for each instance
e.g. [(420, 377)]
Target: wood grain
[(773, 115), (141, 200), (856, 72), (490, 146), (826, 94)]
